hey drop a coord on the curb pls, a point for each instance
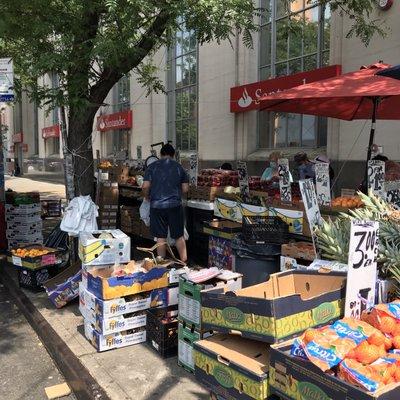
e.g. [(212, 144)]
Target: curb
[(83, 385)]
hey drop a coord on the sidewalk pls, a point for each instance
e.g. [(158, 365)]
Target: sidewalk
[(47, 190)]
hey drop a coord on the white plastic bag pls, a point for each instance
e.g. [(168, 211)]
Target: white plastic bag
[(144, 211), (171, 241)]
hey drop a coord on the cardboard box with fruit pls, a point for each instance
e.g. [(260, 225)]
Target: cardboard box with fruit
[(34, 256)]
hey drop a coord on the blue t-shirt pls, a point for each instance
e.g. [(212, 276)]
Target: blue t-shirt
[(166, 177)]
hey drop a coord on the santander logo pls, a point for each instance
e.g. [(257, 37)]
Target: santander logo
[(245, 100)]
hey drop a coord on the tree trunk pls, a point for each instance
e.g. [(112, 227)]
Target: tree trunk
[(79, 144)]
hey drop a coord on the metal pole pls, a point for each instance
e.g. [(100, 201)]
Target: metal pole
[(375, 101)]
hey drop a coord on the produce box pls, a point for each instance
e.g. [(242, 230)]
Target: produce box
[(115, 340), (25, 226), (205, 193), (25, 219), (33, 279), (24, 209), (27, 234), (186, 337), (189, 295), (114, 324), (303, 250), (287, 304), (232, 367), (222, 228), (295, 378), (64, 287), (97, 249), (219, 253), (106, 287), (17, 199), (108, 194), (175, 272), (26, 258), (126, 305), (162, 330)]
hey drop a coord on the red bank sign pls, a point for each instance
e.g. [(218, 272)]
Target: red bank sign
[(51, 131), (246, 97), (119, 120)]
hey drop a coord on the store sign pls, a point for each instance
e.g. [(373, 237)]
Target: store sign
[(111, 122), (18, 137), (193, 169), (284, 180), (385, 4), (323, 184), (6, 80), (376, 177), (247, 97), (243, 178), (51, 131), (362, 273)]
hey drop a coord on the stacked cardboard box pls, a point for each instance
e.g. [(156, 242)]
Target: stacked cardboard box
[(234, 363), (130, 220), (191, 327), (108, 205), (23, 218)]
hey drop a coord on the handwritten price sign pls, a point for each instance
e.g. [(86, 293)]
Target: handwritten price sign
[(284, 180), (376, 176), (362, 273), (243, 178), (193, 169), (323, 185)]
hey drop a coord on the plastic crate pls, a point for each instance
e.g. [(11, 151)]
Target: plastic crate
[(264, 230), (163, 337), (33, 279)]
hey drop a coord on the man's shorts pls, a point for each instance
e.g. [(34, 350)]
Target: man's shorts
[(163, 218)]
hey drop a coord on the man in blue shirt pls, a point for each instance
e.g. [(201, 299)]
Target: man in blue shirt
[(164, 182)]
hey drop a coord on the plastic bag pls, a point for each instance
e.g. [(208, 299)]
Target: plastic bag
[(171, 241), (144, 211)]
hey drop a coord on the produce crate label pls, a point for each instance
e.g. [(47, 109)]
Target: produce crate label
[(49, 259), (189, 308), (17, 261), (185, 353), (284, 180)]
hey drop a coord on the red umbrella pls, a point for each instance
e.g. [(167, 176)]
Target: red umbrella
[(363, 94)]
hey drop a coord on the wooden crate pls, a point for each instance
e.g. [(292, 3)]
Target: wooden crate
[(205, 193), (302, 250)]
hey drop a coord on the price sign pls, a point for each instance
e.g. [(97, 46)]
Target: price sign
[(362, 273), (392, 189), (376, 176), (310, 203), (193, 169), (323, 184), (243, 178), (139, 152), (284, 180)]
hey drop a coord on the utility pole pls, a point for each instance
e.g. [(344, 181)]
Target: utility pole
[(3, 241)]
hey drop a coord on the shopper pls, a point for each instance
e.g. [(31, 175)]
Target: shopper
[(164, 182), (305, 167)]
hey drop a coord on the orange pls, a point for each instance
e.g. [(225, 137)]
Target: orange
[(397, 375), (310, 335), (367, 353), (396, 342), (351, 354), (387, 324), (388, 343), (377, 339)]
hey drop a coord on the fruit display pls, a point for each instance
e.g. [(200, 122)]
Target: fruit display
[(333, 236), (30, 252), (105, 164), (364, 353), (217, 177), (347, 202)]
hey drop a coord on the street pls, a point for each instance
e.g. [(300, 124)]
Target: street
[(26, 368)]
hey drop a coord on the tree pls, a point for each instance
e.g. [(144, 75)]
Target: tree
[(91, 44)]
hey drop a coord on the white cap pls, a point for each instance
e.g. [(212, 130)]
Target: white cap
[(321, 158)]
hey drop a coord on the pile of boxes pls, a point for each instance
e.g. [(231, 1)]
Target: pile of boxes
[(23, 218), (108, 205), (191, 327), (114, 302), (131, 222)]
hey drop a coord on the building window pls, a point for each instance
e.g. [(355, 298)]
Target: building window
[(182, 91), (294, 37), (117, 142)]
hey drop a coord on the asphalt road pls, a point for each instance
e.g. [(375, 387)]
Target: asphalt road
[(26, 368)]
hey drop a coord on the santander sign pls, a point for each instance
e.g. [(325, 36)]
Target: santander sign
[(246, 97), (119, 120)]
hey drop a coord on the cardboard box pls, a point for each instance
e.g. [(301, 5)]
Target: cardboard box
[(222, 228), (16, 198), (126, 305), (175, 273), (115, 340), (186, 338), (23, 209), (25, 226), (189, 295), (23, 219), (294, 378), (287, 304), (96, 251), (106, 287), (219, 253), (53, 257), (28, 234), (232, 367), (108, 194), (64, 287), (303, 250)]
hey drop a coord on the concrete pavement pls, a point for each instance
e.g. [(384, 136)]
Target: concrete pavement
[(25, 367), (48, 190)]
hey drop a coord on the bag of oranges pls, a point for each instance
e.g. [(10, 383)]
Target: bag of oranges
[(386, 318)]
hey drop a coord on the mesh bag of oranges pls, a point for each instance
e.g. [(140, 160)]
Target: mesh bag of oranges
[(327, 347), (386, 318)]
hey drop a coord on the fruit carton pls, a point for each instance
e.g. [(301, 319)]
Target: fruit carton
[(114, 340), (105, 286), (128, 304), (94, 250), (293, 377), (25, 219), (284, 306), (53, 257), (189, 295), (232, 367)]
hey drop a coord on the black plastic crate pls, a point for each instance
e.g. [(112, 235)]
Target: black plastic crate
[(33, 279), (264, 230), (162, 332)]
